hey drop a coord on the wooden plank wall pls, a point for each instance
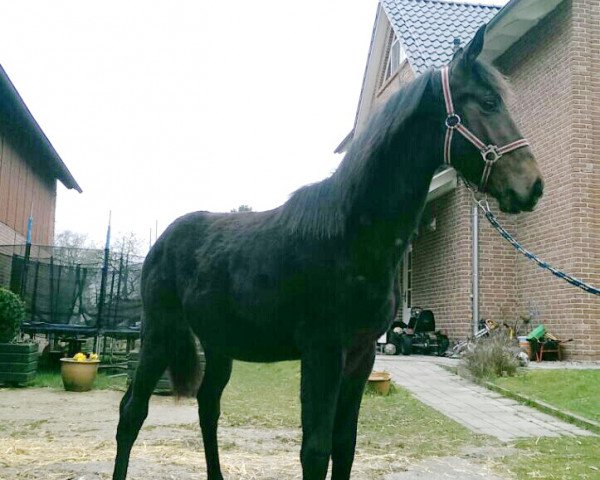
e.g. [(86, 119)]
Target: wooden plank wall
[(24, 188)]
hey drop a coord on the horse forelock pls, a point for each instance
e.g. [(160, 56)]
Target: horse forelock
[(491, 77)]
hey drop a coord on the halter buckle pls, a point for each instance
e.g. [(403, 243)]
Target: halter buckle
[(490, 154), (452, 121)]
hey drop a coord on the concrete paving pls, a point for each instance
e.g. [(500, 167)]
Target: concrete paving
[(445, 468), (471, 405)]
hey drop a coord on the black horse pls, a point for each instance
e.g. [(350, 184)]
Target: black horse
[(313, 279)]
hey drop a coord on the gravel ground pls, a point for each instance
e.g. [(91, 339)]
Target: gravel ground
[(51, 434)]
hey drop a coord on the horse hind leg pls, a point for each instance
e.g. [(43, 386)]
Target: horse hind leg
[(134, 405), (216, 376)]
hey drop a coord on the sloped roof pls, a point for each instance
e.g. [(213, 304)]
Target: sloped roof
[(427, 28), (14, 114)]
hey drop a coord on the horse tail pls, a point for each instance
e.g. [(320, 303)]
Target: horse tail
[(165, 322), (183, 364)]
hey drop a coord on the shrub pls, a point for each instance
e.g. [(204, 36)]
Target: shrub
[(492, 356), (12, 311)]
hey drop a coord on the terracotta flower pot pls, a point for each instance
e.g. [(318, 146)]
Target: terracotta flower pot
[(380, 382), (78, 376)]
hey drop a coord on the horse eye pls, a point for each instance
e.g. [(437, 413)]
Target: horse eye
[(490, 104)]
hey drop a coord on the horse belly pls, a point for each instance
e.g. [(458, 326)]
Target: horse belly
[(248, 341)]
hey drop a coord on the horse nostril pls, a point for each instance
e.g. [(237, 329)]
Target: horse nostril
[(538, 188)]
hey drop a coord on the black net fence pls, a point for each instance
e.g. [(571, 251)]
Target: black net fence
[(75, 291)]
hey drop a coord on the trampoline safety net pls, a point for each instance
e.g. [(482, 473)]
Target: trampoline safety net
[(69, 290)]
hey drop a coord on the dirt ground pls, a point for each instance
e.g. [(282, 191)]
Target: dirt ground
[(49, 434)]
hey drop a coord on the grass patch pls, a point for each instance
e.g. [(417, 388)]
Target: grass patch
[(267, 395), (576, 391), (564, 458), (399, 421), (263, 395), (51, 379)]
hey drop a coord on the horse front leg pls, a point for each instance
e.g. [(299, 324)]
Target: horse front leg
[(359, 363), (321, 375)]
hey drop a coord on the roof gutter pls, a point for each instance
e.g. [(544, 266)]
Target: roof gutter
[(512, 22)]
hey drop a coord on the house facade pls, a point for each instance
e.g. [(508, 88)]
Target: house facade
[(29, 170), (458, 265)]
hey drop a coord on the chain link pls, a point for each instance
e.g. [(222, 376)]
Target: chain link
[(482, 203)]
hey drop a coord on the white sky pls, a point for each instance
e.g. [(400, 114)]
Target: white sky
[(161, 108)]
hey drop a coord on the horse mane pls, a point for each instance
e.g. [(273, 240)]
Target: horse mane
[(321, 209)]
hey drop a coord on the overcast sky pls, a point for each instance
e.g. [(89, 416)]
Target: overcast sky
[(161, 108)]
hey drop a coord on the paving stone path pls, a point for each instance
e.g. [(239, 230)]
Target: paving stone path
[(445, 468), (475, 407)]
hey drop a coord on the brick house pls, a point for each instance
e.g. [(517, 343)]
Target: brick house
[(458, 265), (29, 169)]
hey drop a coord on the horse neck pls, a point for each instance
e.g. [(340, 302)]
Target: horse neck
[(391, 189)]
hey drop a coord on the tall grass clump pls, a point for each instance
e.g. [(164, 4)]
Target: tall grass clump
[(493, 356)]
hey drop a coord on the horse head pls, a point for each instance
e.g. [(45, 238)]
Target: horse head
[(489, 150)]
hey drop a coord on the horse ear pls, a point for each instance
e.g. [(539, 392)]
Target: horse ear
[(474, 48), (457, 53), (465, 58)]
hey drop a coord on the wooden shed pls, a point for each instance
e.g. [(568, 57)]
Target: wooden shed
[(29, 170)]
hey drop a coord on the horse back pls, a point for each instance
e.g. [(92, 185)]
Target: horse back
[(243, 273)]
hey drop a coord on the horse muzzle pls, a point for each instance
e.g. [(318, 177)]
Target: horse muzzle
[(510, 201)]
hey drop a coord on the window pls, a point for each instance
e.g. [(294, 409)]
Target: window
[(396, 56)]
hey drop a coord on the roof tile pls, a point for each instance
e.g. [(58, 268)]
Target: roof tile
[(427, 28)]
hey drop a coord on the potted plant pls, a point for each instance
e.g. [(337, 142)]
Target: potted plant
[(79, 372), (380, 382), (18, 360)]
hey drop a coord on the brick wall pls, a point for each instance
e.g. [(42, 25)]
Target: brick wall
[(554, 72), (442, 264), (585, 164)]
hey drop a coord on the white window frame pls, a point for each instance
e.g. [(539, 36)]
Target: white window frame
[(396, 55)]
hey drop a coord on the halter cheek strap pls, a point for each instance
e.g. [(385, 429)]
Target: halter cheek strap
[(489, 153)]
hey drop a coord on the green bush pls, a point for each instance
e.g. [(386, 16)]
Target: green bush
[(492, 356), (12, 311)]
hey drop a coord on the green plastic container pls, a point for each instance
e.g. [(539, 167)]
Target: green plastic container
[(537, 333)]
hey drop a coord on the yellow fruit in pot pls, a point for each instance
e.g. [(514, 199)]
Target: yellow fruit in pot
[(79, 357)]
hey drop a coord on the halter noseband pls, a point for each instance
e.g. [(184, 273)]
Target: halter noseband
[(490, 153)]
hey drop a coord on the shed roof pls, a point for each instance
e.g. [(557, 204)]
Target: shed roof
[(15, 115), (427, 28)]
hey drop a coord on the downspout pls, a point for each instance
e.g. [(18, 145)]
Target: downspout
[(475, 268), (474, 249)]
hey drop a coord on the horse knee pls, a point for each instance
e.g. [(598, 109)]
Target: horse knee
[(125, 400), (315, 451), (131, 418)]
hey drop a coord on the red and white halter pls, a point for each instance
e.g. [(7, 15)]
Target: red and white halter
[(490, 153)]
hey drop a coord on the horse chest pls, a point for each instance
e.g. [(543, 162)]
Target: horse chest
[(368, 304)]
